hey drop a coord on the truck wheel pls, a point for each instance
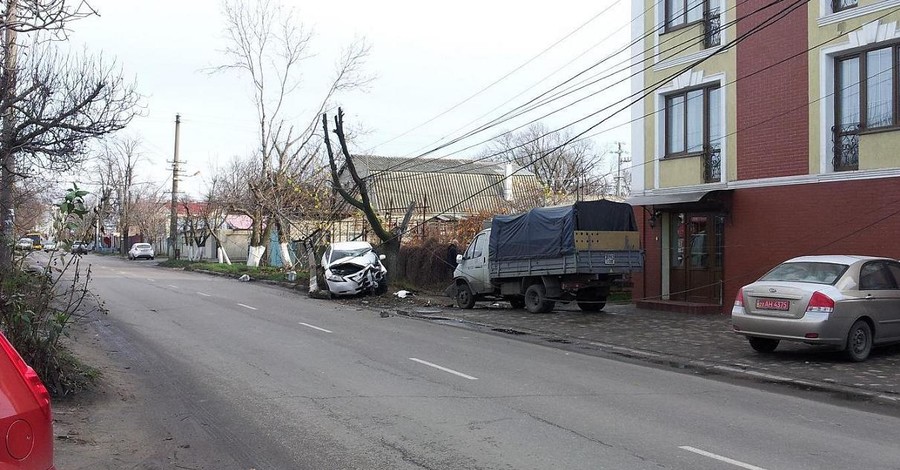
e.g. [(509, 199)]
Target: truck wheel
[(464, 297), (536, 299)]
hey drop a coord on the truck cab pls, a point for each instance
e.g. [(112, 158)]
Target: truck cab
[(471, 273)]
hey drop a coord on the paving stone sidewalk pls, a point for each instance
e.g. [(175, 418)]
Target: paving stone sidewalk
[(685, 340)]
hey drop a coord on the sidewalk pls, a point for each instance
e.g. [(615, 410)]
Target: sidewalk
[(699, 342)]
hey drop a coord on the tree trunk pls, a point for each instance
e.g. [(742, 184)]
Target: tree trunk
[(7, 156)]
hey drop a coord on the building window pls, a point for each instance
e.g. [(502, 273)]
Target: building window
[(866, 99), (692, 120), (841, 5), (683, 12)]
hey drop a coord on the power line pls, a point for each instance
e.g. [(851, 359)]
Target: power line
[(505, 76), (686, 43)]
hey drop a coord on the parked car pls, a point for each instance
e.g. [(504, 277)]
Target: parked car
[(851, 302), (49, 246), (25, 415), (24, 244), (79, 248), (353, 268), (141, 250)]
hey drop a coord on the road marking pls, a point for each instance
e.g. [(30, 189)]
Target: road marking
[(204, 294), (174, 287), (315, 327), (721, 458), (151, 279), (247, 306), (443, 369)]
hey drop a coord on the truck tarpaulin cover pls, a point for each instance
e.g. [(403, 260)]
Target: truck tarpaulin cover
[(549, 232)]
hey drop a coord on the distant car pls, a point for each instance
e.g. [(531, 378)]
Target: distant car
[(351, 268), (49, 246), (79, 248), (24, 244), (141, 250), (25, 416), (851, 302)]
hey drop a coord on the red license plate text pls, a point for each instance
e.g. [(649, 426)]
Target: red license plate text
[(773, 304)]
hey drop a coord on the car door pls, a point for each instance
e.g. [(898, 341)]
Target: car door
[(878, 285), (891, 322), (473, 267)]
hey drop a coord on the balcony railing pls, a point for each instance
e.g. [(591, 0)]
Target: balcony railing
[(846, 147), (712, 28), (712, 164), (840, 5)]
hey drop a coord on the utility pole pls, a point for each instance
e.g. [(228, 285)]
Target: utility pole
[(173, 214), (619, 160)]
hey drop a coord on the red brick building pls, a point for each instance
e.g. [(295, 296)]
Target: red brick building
[(775, 135)]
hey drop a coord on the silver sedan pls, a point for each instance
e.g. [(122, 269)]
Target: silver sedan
[(852, 302)]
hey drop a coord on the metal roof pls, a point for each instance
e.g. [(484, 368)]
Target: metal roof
[(452, 188)]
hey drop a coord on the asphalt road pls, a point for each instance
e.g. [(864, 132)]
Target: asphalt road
[(249, 376)]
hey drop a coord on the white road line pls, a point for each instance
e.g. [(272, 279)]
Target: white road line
[(247, 306), (174, 287), (151, 279), (204, 294), (316, 327), (443, 369), (721, 458)]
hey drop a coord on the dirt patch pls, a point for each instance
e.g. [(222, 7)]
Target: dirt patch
[(100, 428)]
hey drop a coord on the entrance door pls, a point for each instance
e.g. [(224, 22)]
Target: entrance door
[(697, 241)]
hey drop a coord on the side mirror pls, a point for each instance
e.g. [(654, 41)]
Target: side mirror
[(381, 257), (459, 259)]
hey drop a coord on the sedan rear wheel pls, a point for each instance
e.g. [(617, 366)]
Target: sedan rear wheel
[(763, 345), (859, 341)]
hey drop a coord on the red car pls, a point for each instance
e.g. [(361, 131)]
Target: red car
[(26, 424)]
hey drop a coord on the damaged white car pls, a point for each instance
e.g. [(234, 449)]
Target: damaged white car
[(353, 268)]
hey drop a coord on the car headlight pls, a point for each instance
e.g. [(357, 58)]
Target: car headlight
[(333, 277)]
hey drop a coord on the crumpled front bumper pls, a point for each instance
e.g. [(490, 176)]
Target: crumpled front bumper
[(365, 280)]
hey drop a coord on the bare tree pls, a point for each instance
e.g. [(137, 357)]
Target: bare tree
[(566, 169), (51, 105), (357, 194), (267, 45)]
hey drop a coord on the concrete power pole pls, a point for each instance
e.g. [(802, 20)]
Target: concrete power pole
[(173, 213), (619, 160)]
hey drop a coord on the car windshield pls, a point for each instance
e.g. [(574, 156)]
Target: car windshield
[(806, 271), (339, 254)]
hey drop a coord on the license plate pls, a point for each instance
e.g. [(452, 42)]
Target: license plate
[(773, 304), (610, 259)]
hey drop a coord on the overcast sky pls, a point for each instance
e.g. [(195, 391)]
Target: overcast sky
[(426, 58)]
